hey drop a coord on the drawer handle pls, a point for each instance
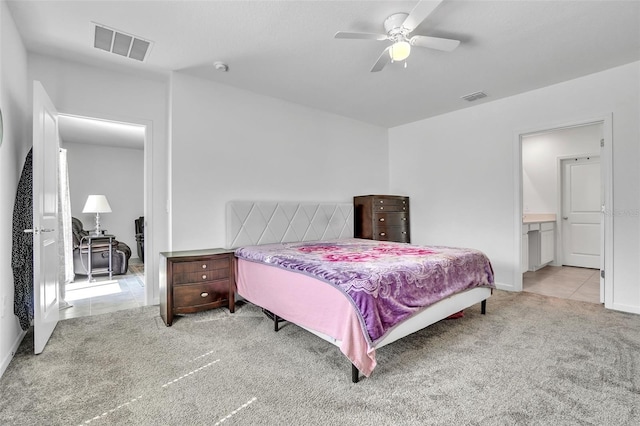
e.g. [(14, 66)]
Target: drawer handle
[(381, 201), (404, 218), (204, 266), (381, 208), (404, 232), (382, 219), (404, 208), (204, 277), (382, 234), (204, 294)]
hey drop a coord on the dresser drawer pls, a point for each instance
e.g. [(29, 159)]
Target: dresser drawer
[(195, 295), (391, 218), (390, 201), (390, 204), (392, 233), (385, 207)]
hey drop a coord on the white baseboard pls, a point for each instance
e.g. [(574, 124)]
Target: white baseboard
[(505, 287), (631, 309), (9, 356)]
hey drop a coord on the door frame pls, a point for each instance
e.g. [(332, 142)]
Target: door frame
[(606, 227), (149, 260)]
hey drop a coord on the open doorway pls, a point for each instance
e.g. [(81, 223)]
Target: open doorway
[(105, 157), (565, 184)]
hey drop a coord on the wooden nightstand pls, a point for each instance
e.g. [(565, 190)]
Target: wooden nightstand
[(196, 280)]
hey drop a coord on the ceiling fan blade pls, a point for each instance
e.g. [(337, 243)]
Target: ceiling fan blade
[(360, 36), (420, 13), (437, 43), (382, 60)]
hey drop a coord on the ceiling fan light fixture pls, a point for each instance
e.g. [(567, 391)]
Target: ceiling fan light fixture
[(400, 50)]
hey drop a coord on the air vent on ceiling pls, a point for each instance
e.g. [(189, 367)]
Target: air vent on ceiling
[(121, 43), (474, 96)]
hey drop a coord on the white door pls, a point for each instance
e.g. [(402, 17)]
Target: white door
[(45, 217), (581, 212)]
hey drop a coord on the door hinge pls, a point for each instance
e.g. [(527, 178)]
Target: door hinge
[(602, 274), (601, 142)]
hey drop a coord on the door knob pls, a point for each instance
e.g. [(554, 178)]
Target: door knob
[(37, 231)]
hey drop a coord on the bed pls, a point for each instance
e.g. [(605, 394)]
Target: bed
[(300, 262)]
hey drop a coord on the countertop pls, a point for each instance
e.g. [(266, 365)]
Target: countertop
[(538, 218)]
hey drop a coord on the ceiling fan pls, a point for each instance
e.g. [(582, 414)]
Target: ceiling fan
[(399, 27)]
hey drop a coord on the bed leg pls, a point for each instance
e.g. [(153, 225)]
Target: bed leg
[(355, 374), (276, 319), (483, 307)]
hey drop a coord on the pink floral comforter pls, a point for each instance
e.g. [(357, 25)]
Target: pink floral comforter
[(387, 282)]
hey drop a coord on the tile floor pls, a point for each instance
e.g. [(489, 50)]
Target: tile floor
[(565, 282), (103, 295)]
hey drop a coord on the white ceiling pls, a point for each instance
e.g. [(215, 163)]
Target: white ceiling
[(286, 49), (92, 131)]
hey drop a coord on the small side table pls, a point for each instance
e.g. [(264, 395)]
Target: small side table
[(196, 280), (91, 238)]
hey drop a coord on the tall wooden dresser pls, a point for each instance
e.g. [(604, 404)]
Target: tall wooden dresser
[(382, 217)]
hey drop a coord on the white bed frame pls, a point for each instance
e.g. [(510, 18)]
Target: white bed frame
[(267, 222)]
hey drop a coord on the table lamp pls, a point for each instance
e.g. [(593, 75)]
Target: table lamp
[(97, 204)]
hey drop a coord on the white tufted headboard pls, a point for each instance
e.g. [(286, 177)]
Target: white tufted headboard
[(265, 222)]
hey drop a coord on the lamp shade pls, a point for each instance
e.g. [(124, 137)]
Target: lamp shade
[(400, 50), (96, 204)]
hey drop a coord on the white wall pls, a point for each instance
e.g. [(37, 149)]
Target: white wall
[(230, 144), (117, 173), (83, 90), (540, 154), (459, 169), (13, 150)]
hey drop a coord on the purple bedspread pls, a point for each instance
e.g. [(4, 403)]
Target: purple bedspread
[(387, 282)]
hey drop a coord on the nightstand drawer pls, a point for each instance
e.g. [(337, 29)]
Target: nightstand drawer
[(201, 265), (195, 295), (200, 276), (391, 218)]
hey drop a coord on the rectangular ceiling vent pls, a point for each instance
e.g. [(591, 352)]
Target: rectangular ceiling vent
[(118, 42), (474, 96)]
